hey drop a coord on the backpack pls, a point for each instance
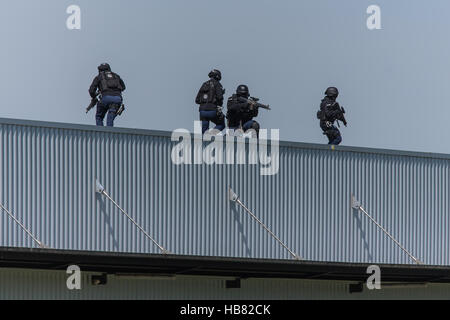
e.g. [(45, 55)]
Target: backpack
[(321, 115), (206, 94), (110, 81)]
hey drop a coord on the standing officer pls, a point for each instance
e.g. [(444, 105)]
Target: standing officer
[(110, 86), (210, 99), (329, 112), (240, 112)]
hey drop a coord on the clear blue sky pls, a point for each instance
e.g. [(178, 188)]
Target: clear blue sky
[(393, 82)]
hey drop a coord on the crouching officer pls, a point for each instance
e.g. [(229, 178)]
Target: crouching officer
[(110, 86), (210, 99), (240, 112), (329, 112)]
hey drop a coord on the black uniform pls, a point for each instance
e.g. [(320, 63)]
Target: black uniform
[(330, 112), (210, 101), (240, 114), (110, 86)]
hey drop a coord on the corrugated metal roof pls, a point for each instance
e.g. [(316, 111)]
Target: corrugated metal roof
[(48, 172)]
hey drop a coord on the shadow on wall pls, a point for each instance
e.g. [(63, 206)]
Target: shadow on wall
[(102, 201), (358, 219), (237, 215)]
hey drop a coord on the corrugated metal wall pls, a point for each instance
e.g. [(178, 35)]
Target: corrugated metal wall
[(48, 176), (37, 284)]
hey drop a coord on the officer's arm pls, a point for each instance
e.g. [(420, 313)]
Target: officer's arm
[(93, 87), (123, 84), (219, 95), (330, 112), (337, 113), (233, 107)]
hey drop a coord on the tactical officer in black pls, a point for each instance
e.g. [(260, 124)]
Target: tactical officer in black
[(110, 86), (210, 99), (240, 114), (329, 112)]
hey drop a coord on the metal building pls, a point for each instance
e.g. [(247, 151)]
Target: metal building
[(48, 182), (48, 174)]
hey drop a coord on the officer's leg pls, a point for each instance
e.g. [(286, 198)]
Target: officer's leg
[(251, 125), (112, 114), (219, 121), (247, 125), (206, 116), (113, 103), (100, 114), (334, 136), (205, 126), (329, 136), (232, 126), (204, 120), (337, 140)]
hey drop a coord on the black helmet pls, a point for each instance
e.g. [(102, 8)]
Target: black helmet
[(104, 67), (242, 90), (214, 73), (332, 92)]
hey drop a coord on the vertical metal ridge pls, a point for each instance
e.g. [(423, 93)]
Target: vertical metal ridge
[(47, 180)]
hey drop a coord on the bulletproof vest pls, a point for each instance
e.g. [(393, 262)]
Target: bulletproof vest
[(110, 81), (325, 105), (235, 107), (207, 93)]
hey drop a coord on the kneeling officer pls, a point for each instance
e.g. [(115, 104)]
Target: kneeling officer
[(241, 109), (110, 86)]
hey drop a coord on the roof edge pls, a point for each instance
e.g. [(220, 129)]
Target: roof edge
[(167, 134), (156, 264)]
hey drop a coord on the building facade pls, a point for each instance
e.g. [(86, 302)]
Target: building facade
[(48, 181)]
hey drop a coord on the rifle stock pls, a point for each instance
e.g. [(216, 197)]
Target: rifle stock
[(94, 101), (121, 109)]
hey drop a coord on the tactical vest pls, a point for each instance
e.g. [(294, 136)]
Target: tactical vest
[(110, 81), (321, 115)]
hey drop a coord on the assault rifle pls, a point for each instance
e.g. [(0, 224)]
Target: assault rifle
[(254, 102), (340, 116)]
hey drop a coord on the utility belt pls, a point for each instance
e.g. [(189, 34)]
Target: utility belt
[(208, 107), (327, 125)]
